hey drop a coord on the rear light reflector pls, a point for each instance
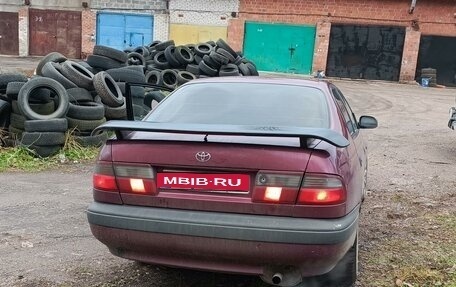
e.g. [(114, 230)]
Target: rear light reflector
[(322, 190), (137, 178), (129, 178), (274, 187), (103, 177)]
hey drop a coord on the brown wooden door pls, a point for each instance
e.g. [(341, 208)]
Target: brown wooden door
[(55, 31), (9, 35)]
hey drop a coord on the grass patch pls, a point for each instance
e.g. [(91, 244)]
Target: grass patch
[(24, 159)]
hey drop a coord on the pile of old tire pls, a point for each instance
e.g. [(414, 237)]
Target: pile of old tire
[(431, 75), (41, 107)]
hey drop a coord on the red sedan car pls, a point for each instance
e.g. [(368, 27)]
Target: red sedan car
[(244, 175)]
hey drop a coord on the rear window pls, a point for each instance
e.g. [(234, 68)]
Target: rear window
[(244, 104)]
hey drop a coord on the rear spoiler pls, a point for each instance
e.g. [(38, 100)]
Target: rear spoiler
[(303, 134)]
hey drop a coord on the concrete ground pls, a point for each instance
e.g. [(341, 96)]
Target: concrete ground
[(10, 64)]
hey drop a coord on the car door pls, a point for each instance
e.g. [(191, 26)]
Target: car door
[(358, 149)]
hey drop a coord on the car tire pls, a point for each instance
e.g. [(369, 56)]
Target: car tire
[(202, 49), (5, 111), (117, 112), (45, 151), (103, 63), (43, 138), (344, 274), (160, 60), (109, 52), (153, 96), (163, 45), (226, 54), (54, 71), (127, 75), (108, 90), (206, 69), (84, 125), (12, 89), (229, 70), (244, 69), (78, 74), (17, 121), (92, 140), (136, 59), (52, 125), (169, 55), (55, 57), (224, 45), (183, 55), (192, 68), (41, 82), (154, 78), (169, 78), (184, 77), (86, 111)]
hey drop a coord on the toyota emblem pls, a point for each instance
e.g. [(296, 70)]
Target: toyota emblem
[(203, 156)]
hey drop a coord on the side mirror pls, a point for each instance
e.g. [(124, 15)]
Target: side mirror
[(367, 122)]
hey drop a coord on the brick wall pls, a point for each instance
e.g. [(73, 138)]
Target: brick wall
[(321, 46), (23, 30), (434, 17), (202, 12), (89, 20), (138, 5), (410, 55)]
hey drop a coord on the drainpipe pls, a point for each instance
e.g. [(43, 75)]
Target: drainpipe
[(412, 7)]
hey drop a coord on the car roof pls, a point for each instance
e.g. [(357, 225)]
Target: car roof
[(315, 83)]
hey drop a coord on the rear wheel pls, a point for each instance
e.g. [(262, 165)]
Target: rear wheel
[(345, 272)]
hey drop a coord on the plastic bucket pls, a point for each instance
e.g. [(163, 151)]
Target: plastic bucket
[(425, 82)]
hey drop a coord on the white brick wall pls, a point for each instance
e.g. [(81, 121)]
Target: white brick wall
[(202, 12), (161, 27)]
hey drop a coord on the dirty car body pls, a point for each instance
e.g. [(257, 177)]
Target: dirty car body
[(244, 175)]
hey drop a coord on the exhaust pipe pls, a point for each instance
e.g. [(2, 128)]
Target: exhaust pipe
[(277, 278)]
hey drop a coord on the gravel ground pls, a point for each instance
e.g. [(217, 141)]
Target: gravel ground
[(408, 221)]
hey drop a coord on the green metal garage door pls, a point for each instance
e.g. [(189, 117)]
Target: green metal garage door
[(280, 47)]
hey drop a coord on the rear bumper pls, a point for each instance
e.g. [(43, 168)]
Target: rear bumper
[(248, 244)]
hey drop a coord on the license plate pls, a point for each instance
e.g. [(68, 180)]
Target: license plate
[(204, 181)]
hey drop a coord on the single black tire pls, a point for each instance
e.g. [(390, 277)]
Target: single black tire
[(211, 63), (244, 69), (428, 71), (86, 111), (11, 77), (206, 69), (344, 274), (52, 125), (224, 45), (219, 59), (55, 57), (103, 63), (212, 43), (183, 55), (136, 59), (84, 125), (170, 58), (16, 132), (252, 69), (192, 68), (127, 74), (202, 49), (238, 60), (154, 78), (117, 112), (78, 74), (108, 90), (169, 78), (109, 52), (54, 71), (43, 138), (163, 45), (160, 60), (197, 59), (12, 89), (184, 77), (45, 151), (44, 108), (17, 121), (143, 50), (153, 44), (226, 54), (92, 140), (153, 96), (229, 70), (77, 95), (5, 111), (42, 82)]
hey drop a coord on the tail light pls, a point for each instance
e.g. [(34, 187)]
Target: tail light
[(322, 190), (125, 178), (276, 187), (291, 188)]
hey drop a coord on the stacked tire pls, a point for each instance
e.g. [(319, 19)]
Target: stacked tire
[(430, 74), (84, 115), (44, 124)]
